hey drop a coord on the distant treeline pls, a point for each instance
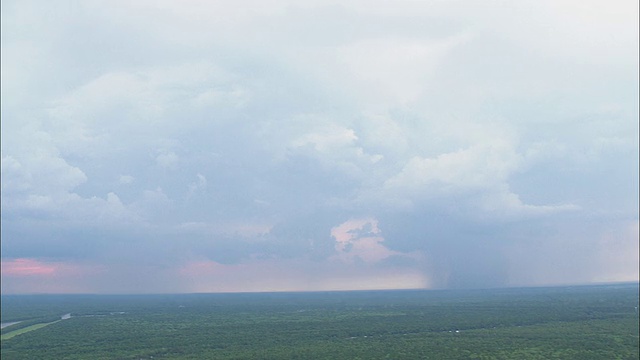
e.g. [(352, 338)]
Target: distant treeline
[(591, 322)]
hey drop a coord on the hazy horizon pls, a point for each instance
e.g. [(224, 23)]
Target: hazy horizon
[(261, 146), (514, 288)]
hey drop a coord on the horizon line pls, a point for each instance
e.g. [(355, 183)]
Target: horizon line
[(633, 282)]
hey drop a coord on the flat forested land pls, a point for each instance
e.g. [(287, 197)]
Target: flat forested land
[(590, 322), (25, 329)]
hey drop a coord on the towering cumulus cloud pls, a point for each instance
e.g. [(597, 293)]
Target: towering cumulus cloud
[(181, 146)]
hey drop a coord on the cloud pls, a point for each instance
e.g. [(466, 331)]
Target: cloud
[(350, 245), (26, 267), (168, 160), (199, 185), (476, 167), (27, 275), (42, 172), (247, 230), (328, 145), (395, 70), (360, 240), (126, 179)]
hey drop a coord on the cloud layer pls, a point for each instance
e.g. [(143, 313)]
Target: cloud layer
[(269, 145)]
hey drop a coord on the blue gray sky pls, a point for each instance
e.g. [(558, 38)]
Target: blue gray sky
[(271, 145)]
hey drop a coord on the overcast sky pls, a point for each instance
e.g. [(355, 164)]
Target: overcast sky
[(268, 145)]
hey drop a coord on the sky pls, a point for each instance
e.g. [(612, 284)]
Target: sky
[(273, 145)]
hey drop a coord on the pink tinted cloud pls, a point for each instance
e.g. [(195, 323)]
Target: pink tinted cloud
[(350, 244), (27, 267), (28, 275), (203, 267)]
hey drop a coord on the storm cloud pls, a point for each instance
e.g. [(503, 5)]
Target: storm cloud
[(272, 145)]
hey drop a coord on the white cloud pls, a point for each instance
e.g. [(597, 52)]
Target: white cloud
[(327, 139), (47, 185), (480, 167), (126, 179), (199, 185), (167, 159), (235, 96), (338, 148), (40, 172), (156, 197), (395, 70), (504, 204), (14, 177)]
